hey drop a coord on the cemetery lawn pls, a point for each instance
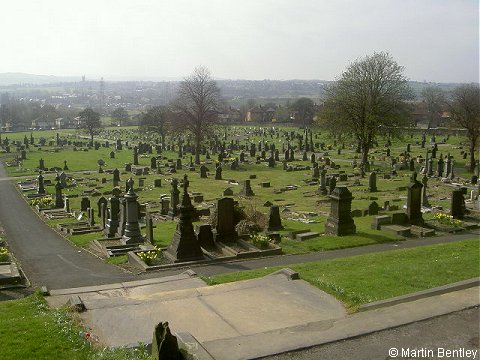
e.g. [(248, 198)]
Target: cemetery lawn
[(362, 279), (29, 329), (364, 236)]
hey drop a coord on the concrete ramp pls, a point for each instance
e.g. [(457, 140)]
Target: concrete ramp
[(127, 315)]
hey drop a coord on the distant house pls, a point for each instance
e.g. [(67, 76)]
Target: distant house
[(230, 116), (42, 123), (421, 117), (65, 123), (260, 114)]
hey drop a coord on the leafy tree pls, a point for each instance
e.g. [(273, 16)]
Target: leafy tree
[(435, 99), (90, 122), (464, 107), (197, 106), (369, 99), (304, 109), (156, 120), (120, 115)]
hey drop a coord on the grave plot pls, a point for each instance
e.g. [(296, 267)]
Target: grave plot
[(294, 170)]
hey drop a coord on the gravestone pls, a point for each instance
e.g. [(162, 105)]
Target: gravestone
[(174, 199), (40, 184), (274, 220), (373, 208), (225, 223), (322, 189), (340, 221), (332, 184), (149, 228), (247, 189), (205, 236), (153, 162), (203, 172), (414, 201), (184, 245), (112, 224), (132, 233), (372, 182), (424, 191), (440, 166), (58, 195), (85, 204), (135, 156), (218, 173), (102, 201), (457, 207)]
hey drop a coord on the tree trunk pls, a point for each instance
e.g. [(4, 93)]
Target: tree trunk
[(197, 150), (163, 142), (364, 149), (91, 139), (471, 167)]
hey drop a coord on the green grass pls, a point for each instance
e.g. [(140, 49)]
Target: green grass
[(364, 236), (29, 329), (117, 260), (84, 239), (362, 279)]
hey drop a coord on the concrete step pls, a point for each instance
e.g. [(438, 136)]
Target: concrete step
[(398, 230), (421, 231), (293, 234), (307, 235)]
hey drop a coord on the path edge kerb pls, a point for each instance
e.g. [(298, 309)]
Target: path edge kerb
[(460, 285)]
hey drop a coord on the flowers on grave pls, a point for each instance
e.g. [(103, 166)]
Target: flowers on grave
[(260, 240), (446, 219), (43, 202), (149, 257), (3, 254)]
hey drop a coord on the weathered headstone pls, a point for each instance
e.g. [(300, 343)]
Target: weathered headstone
[(132, 233), (247, 189), (457, 207), (112, 224), (274, 220), (174, 199), (184, 245), (40, 184), (414, 201), (225, 225), (340, 221)]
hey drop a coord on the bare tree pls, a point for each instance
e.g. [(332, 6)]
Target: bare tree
[(156, 120), (464, 107), (369, 99), (435, 99), (197, 106)]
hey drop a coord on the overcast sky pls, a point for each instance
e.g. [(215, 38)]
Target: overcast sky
[(435, 40)]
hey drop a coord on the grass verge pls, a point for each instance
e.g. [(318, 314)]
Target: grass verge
[(29, 329), (362, 279)]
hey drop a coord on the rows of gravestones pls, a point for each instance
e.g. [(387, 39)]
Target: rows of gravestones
[(321, 171)]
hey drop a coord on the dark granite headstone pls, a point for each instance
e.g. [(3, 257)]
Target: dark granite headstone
[(414, 201)]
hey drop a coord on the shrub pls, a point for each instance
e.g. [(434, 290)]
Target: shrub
[(3, 254), (260, 241), (149, 257), (446, 219), (43, 202)]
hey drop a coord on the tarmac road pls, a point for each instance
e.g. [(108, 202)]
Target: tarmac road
[(45, 256), (455, 331)]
